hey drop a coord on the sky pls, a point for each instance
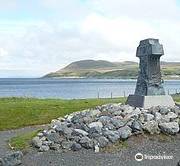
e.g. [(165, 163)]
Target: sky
[(42, 36)]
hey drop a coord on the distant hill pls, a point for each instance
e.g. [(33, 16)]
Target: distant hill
[(89, 64), (106, 69)]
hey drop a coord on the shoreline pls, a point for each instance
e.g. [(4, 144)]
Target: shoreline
[(123, 78)]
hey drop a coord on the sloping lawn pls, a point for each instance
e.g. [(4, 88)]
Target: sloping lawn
[(20, 112)]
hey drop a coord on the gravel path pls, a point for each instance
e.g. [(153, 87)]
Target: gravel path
[(124, 157), (7, 135)]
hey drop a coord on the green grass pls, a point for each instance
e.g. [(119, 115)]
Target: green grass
[(20, 112), (22, 142), (176, 98)]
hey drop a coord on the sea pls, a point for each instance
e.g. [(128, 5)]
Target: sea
[(73, 88)]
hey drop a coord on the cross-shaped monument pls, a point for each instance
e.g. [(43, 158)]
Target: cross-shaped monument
[(149, 88)]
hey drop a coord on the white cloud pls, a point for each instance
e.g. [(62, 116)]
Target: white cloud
[(121, 31), (99, 29), (138, 9), (67, 10), (3, 52), (125, 33), (46, 50)]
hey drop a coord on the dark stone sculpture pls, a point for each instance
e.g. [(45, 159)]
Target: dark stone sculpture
[(149, 88), (149, 80)]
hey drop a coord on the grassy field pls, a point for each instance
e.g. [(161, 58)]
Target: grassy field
[(177, 98), (20, 112), (23, 141)]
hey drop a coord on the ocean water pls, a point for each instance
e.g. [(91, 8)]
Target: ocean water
[(73, 88)]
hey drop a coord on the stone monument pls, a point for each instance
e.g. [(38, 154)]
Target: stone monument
[(149, 88)]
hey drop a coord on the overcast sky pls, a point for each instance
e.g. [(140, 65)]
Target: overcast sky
[(40, 36)]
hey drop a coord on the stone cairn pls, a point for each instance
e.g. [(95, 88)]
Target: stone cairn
[(104, 125)]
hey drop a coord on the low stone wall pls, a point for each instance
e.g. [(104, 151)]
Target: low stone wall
[(104, 125)]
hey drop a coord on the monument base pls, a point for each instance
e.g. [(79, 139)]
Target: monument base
[(150, 101)]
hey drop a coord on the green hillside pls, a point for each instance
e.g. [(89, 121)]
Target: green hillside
[(106, 69), (89, 64)]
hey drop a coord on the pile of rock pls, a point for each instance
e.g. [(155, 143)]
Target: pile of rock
[(106, 124), (11, 159)]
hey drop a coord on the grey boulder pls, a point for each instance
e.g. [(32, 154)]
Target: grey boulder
[(148, 117), (67, 144), (164, 110), (117, 122), (37, 142), (126, 109), (151, 127), (109, 126), (95, 132), (171, 115), (79, 132), (117, 113), (103, 141), (86, 142), (67, 131), (157, 116), (134, 114), (170, 128), (60, 128), (54, 137), (44, 148), (12, 159), (113, 136), (94, 112), (95, 124), (105, 120), (125, 132), (55, 147), (136, 126), (76, 146)]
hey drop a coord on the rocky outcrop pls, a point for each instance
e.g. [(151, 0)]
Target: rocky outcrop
[(104, 125)]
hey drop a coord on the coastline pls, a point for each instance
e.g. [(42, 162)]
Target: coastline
[(124, 78)]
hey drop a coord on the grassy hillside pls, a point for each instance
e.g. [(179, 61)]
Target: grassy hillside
[(89, 64), (105, 69)]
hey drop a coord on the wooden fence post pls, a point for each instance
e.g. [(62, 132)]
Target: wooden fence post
[(124, 93)]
